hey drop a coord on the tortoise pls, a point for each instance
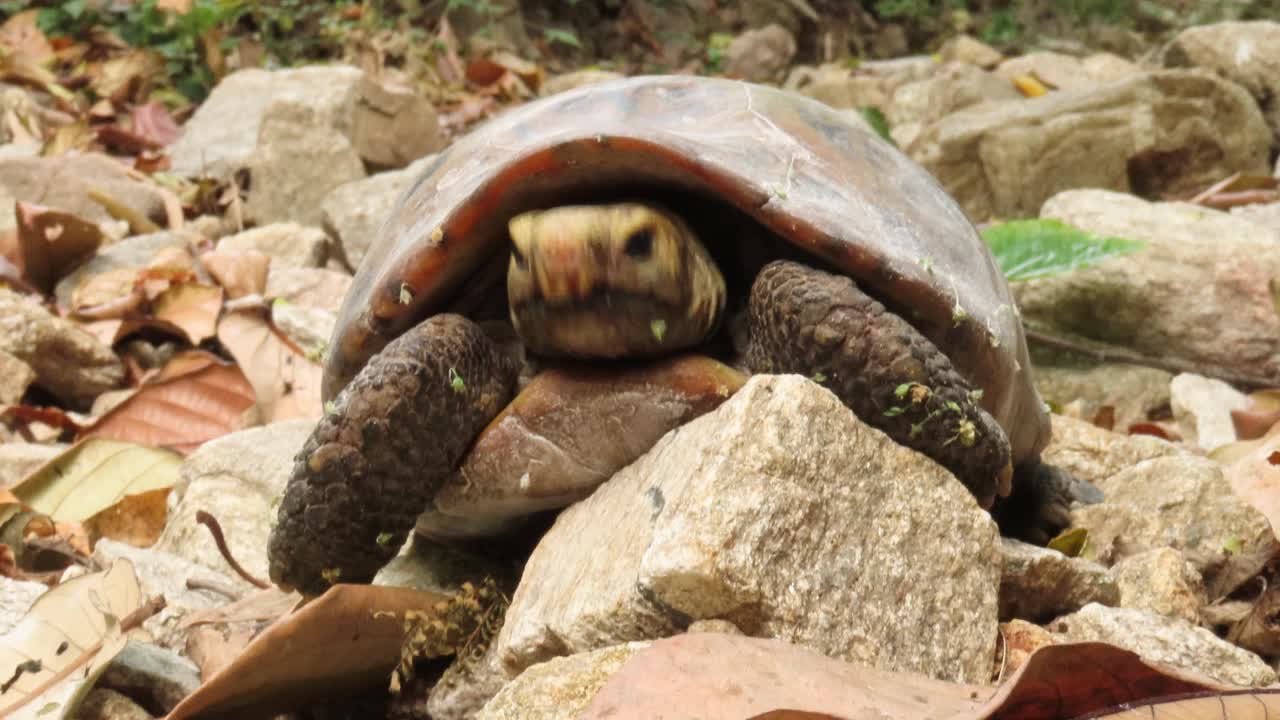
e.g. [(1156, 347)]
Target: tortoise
[(642, 217)]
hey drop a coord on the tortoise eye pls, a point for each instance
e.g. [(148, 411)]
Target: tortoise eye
[(640, 243)]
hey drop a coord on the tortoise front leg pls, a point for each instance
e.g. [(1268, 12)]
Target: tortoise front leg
[(814, 323), (377, 457)]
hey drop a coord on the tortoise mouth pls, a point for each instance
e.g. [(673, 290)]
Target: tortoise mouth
[(605, 323)]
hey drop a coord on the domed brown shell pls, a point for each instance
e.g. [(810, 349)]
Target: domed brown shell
[(810, 174)]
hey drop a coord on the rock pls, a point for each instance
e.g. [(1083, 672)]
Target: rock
[(1005, 159), (559, 689), (1058, 71), (958, 85), (761, 55), (465, 687), (1038, 583), (239, 479), (64, 182), (16, 598), (223, 135), (132, 253), (68, 362), (1105, 67), (163, 573), (104, 704), (1202, 407), (299, 160), (1213, 267), (15, 377), (1133, 392), (1265, 214), (287, 243), (714, 625), (19, 459), (735, 515), (1247, 53), (1094, 454), (1167, 640), (157, 678), (316, 288), (838, 86), (1161, 581), (393, 125), (967, 49), (1021, 638), (353, 213), (576, 79), (1182, 502), (309, 328)]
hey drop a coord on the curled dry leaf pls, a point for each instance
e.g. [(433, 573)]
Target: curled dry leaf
[(51, 243), (95, 474), (193, 307), (346, 640), (195, 398), (285, 382), (79, 621), (136, 519), (241, 273)]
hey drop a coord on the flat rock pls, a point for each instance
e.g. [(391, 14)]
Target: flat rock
[(19, 459), (1060, 72), (393, 124), (239, 479), (560, 688), (736, 515), (1005, 159), (311, 287), (223, 135), (287, 243), (1181, 502), (1167, 640), (68, 362), (1202, 408), (968, 49), (1095, 454), (839, 86), (1161, 581), (1247, 53), (1132, 392), (64, 182), (1038, 583), (354, 212), (1214, 267)]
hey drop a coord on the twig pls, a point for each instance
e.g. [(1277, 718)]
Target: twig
[(139, 224), (215, 529), (1228, 200), (215, 586), (1215, 188), (1101, 354)]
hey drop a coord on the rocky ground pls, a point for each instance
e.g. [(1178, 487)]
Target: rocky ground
[(165, 312)]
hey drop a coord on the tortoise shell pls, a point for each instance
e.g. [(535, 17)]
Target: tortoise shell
[(810, 175)]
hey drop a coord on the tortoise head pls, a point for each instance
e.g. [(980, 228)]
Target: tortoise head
[(614, 280)]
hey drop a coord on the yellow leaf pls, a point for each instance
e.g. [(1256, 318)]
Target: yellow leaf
[(1030, 86), (95, 474)]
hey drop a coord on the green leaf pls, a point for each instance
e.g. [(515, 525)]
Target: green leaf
[(659, 328), (878, 122), (1027, 249), (1071, 542), (902, 390), (893, 411), (564, 37)]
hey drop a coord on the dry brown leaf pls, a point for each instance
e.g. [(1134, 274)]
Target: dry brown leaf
[(137, 520), (154, 123), (285, 382), (1255, 475), (127, 76), (52, 242), (345, 640), (193, 307), (1259, 414), (195, 398), (240, 273), (22, 35), (112, 294)]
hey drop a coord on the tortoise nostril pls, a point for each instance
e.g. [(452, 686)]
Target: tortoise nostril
[(639, 244)]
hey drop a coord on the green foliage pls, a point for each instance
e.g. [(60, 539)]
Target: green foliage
[(1027, 249), (878, 122), (561, 36)]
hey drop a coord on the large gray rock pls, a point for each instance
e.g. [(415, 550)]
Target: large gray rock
[(1245, 52), (239, 479), (1006, 159), (64, 183), (1213, 267), (1166, 640), (68, 362), (354, 212), (1161, 581), (1038, 583), (560, 688), (287, 243), (1095, 454), (785, 514)]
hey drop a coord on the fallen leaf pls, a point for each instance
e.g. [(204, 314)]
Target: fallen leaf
[(136, 519), (21, 35), (127, 76), (1030, 86), (93, 475), (79, 621), (1260, 413), (346, 640), (1254, 475), (240, 273), (195, 398), (51, 243), (112, 294), (153, 122), (193, 307), (285, 382)]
